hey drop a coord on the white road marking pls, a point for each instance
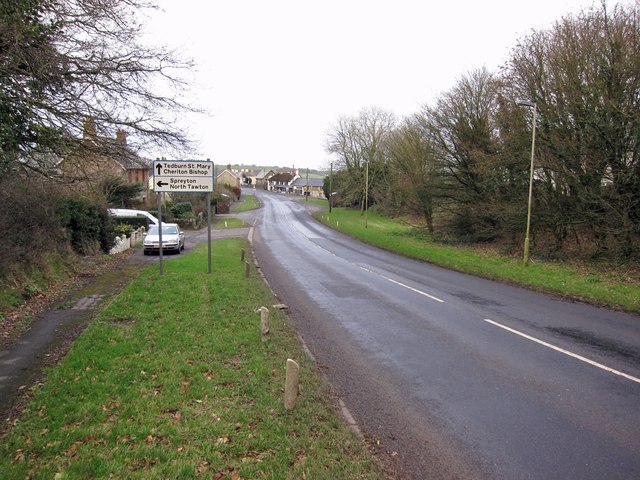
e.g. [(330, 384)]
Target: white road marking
[(566, 352), (420, 292), (504, 327), (415, 290)]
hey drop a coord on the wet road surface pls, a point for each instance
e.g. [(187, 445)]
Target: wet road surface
[(452, 376)]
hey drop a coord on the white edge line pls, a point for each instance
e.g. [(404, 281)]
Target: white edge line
[(566, 352)]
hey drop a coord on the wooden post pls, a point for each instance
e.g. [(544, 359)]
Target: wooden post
[(264, 323), (291, 387), (247, 267), (242, 255)]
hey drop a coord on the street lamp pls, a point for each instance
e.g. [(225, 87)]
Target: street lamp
[(530, 104)]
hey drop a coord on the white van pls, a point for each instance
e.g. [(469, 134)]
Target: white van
[(124, 212)]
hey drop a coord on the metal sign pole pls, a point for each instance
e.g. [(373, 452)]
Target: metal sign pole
[(209, 226), (183, 176), (160, 230)]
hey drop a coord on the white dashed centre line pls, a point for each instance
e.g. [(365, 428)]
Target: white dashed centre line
[(415, 290)]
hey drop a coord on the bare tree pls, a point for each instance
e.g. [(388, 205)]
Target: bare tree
[(584, 75), (357, 144), (461, 128), (342, 143), (414, 171), (62, 61)]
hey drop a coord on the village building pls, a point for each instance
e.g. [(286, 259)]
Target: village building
[(312, 187), (282, 182), (85, 169)]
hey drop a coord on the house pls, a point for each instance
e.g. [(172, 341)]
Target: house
[(227, 178), (262, 177), (312, 187), (246, 176), (84, 169), (281, 182), (249, 178)]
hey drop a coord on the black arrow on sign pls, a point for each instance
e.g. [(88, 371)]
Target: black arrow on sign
[(159, 167), (162, 184)]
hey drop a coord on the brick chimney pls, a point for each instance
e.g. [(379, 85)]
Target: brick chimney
[(89, 130), (121, 136)]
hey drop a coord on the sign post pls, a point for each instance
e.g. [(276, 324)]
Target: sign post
[(159, 196), (185, 176)]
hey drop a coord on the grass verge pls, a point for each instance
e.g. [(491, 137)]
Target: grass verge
[(249, 202), (607, 288), (230, 222), (171, 380), (315, 201)]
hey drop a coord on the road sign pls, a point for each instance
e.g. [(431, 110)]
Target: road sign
[(183, 176)]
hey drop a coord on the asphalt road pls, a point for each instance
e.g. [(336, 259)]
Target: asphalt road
[(452, 376)]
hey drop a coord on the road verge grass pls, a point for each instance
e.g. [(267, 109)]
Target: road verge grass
[(249, 202), (230, 222), (605, 289), (171, 380)]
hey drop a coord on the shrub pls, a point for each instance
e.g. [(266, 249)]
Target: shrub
[(131, 222), (123, 229), (87, 225), (179, 209), (29, 227)]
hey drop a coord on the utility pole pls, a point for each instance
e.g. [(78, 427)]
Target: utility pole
[(366, 195), (330, 186)]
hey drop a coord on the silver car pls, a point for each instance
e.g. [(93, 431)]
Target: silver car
[(172, 239)]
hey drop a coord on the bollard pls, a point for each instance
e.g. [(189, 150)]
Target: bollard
[(264, 323), (242, 255), (246, 269), (338, 224), (291, 387)]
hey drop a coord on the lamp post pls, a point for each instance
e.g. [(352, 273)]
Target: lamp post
[(527, 103)]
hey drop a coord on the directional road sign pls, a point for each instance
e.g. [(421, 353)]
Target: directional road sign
[(183, 176)]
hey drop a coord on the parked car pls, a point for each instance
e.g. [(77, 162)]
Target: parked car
[(172, 239)]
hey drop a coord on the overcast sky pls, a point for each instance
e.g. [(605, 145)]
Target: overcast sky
[(275, 75)]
